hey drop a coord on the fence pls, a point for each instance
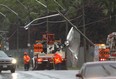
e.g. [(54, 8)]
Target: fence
[(73, 62)]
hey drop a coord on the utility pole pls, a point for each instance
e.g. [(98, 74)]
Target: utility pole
[(29, 41), (84, 31), (47, 28), (66, 29), (28, 37)]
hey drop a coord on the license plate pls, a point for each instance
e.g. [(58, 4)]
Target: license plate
[(4, 66)]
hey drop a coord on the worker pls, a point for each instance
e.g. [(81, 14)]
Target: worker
[(26, 61), (57, 61)]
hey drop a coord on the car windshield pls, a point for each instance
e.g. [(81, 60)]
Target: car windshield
[(100, 70), (3, 54)]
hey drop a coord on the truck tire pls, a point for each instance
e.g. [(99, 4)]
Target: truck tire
[(63, 65), (40, 67), (50, 66)]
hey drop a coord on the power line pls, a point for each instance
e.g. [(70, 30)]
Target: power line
[(72, 20), (98, 21), (70, 8), (12, 34), (65, 21), (51, 22)]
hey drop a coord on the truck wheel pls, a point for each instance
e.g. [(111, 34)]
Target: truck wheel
[(40, 67), (63, 65), (50, 66), (12, 70)]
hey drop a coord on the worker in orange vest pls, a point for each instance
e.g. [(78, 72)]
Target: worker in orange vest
[(26, 61), (57, 61)]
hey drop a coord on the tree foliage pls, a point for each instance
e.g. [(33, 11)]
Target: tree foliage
[(97, 18)]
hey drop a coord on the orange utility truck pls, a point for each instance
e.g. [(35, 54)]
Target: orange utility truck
[(103, 52), (44, 52)]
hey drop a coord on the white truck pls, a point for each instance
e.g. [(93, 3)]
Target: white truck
[(45, 59)]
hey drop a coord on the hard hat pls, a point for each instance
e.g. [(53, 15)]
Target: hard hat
[(25, 53), (56, 53)]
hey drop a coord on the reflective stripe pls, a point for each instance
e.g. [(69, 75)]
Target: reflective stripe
[(57, 59)]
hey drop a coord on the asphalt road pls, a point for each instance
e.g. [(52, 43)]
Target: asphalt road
[(45, 74)]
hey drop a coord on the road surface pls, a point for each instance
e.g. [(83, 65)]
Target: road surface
[(45, 74)]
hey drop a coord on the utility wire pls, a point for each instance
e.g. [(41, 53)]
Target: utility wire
[(22, 4), (53, 21), (98, 21), (70, 8), (74, 19), (65, 21), (12, 34)]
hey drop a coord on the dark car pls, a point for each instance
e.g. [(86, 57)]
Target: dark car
[(98, 70), (6, 62)]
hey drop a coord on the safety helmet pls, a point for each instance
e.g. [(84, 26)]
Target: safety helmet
[(56, 53), (25, 53)]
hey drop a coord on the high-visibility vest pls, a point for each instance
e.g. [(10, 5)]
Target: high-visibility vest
[(57, 59), (26, 59)]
